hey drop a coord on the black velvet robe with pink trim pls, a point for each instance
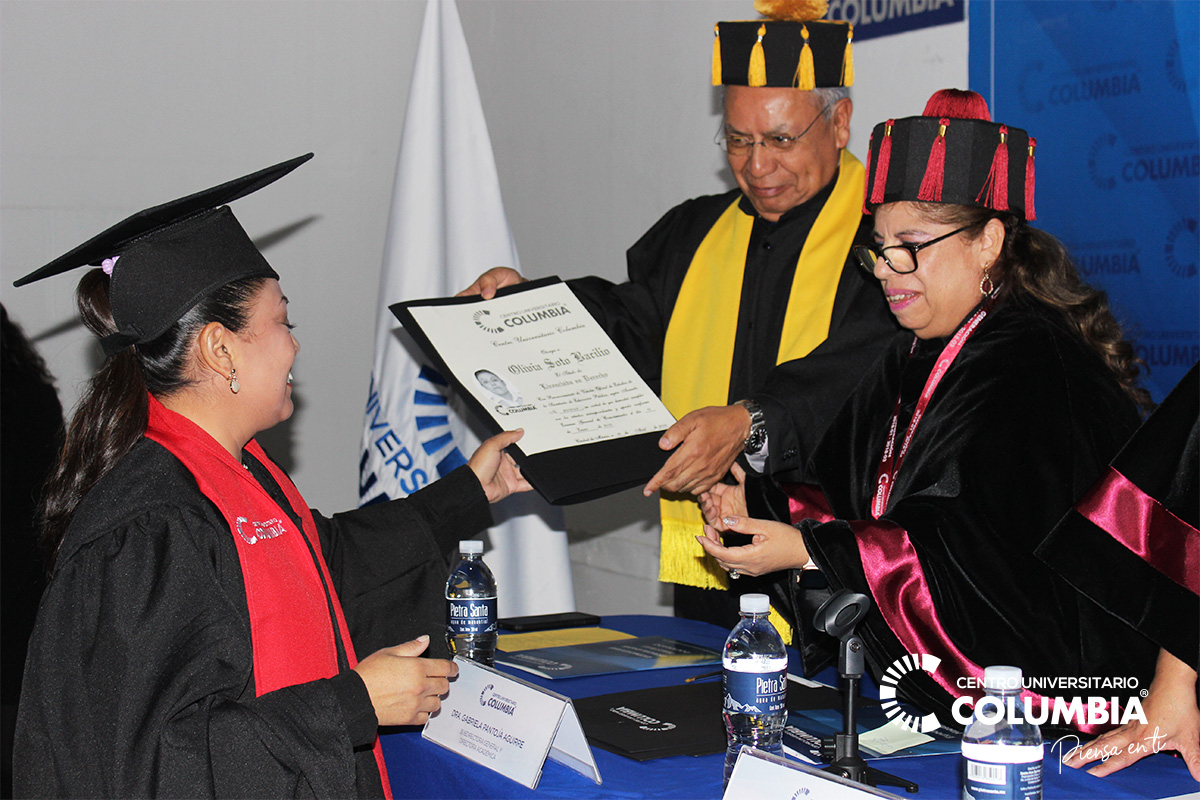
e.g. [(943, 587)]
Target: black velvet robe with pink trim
[(1020, 426), (1132, 543)]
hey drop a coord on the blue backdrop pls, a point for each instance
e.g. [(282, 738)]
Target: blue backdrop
[(1109, 89)]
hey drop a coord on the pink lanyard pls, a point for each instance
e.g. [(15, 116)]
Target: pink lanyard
[(890, 463)]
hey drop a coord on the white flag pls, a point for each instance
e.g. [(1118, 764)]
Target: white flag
[(447, 226)]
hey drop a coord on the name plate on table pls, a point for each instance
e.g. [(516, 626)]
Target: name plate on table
[(509, 726), (762, 776), (533, 357)]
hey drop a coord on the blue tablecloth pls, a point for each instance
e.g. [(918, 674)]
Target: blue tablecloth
[(420, 769)]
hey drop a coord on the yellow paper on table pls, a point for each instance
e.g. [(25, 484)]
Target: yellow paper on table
[(514, 642)]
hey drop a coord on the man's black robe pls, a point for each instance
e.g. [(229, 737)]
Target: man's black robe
[(140, 681), (798, 397)]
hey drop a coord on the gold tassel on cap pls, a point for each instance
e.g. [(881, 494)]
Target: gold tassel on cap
[(716, 60), (806, 78), (794, 10), (758, 62), (848, 59)]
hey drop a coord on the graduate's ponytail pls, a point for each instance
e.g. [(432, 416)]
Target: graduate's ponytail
[(112, 413)]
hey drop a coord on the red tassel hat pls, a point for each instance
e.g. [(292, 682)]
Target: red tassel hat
[(954, 154)]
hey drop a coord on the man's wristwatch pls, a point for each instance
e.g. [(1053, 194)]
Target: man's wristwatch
[(758, 428)]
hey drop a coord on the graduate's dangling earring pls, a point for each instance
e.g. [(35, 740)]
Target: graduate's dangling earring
[(985, 283), (234, 386)]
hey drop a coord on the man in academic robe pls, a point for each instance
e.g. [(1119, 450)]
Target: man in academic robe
[(761, 375)]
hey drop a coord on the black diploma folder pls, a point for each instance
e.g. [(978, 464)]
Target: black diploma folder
[(569, 475)]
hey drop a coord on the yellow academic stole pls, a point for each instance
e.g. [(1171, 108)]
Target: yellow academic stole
[(698, 350)]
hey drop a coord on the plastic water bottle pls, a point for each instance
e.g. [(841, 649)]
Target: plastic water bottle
[(755, 681), (471, 606), (1002, 752)]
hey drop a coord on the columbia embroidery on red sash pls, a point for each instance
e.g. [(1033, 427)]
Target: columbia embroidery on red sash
[(291, 633)]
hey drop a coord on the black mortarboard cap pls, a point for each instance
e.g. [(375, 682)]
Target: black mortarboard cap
[(171, 256), (954, 153)]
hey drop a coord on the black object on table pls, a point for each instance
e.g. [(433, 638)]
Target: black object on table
[(839, 616)]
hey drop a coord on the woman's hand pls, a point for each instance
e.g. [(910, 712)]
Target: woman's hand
[(498, 474), (405, 689), (774, 546), (1172, 723), (723, 500)]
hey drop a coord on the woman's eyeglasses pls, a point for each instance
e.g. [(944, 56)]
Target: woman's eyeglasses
[(903, 256)]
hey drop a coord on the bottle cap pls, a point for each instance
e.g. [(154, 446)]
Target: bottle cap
[(754, 604), (470, 547), (1002, 678)]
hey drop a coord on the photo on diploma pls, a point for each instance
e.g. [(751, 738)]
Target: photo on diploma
[(533, 357)]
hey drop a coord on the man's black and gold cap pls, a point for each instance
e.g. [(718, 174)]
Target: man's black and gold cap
[(165, 259), (790, 47)]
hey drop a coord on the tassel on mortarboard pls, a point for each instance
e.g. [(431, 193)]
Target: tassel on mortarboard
[(716, 58), (806, 76), (935, 171), (994, 193), (758, 61), (882, 162), (848, 60), (1029, 181)]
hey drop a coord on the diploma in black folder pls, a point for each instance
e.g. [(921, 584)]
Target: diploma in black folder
[(534, 358)]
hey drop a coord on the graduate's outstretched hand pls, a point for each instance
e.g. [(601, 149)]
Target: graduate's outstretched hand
[(405, 689), (1172, 723), (498, 474), (495, 278), (706, 443), (774, 546), (723, 500)]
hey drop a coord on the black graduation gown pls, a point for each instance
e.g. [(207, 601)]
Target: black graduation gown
[(1019, 427), (1147, 586), (798, 397), (140, 681)]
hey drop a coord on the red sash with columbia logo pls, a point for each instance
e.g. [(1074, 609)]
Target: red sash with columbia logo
[(291, 633)]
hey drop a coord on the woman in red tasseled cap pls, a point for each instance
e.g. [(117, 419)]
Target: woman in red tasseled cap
[(957, 455)]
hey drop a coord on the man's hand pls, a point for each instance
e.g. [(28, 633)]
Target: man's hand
[(405, 689), (706, 442), (495, 278)]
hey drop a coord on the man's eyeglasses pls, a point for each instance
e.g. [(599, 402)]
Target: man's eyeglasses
[(737, 144), (903, 256)]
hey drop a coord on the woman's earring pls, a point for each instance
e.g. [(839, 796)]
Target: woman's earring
[(234, 386), (985, 283)]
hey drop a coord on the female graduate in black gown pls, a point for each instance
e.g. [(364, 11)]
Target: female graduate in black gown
[(199, 632), (955, 458)]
